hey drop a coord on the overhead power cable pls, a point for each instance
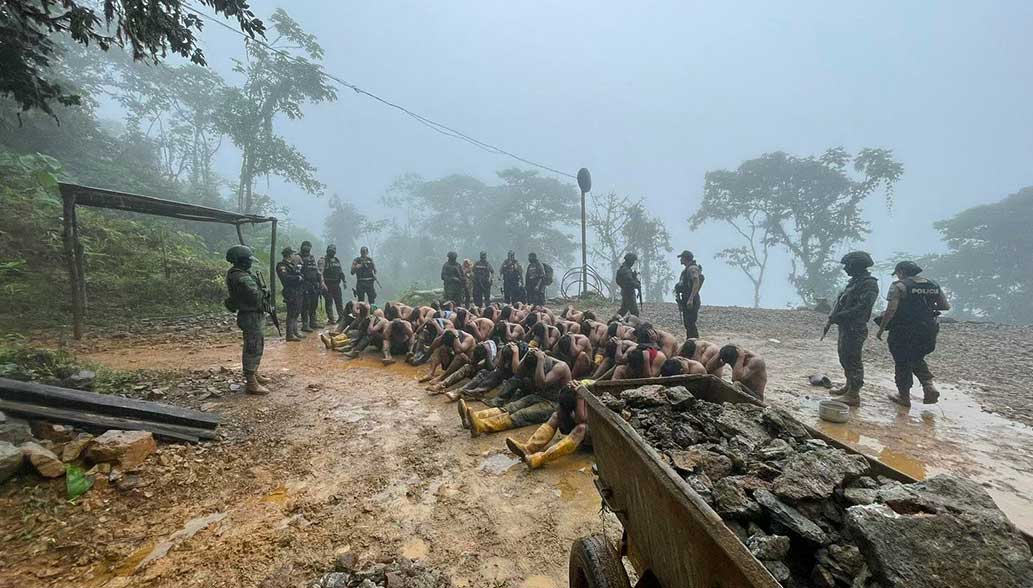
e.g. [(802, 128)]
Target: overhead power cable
[(427, 122)]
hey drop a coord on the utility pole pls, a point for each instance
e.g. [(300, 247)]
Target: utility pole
[(584, 181)]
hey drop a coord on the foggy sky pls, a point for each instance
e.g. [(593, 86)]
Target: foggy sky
[(650, 96)]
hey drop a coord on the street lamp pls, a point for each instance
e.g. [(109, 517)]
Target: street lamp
[(584, 181)]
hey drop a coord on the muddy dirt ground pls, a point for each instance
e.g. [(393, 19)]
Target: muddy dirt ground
[(351, 456)]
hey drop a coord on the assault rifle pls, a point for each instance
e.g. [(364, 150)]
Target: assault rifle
[(268, 304)]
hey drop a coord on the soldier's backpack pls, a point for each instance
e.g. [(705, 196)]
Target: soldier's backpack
[(548, 274)]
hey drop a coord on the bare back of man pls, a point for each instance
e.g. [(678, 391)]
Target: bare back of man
[(748, 369)]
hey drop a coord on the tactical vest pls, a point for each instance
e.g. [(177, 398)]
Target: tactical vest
[(293, 278), (333, 273), (242, 296), (452, 273), (309, 268), (918, 304), (482, 271), (364, 273), (510, 271)]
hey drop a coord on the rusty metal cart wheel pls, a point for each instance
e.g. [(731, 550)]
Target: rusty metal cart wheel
[(594, 563)]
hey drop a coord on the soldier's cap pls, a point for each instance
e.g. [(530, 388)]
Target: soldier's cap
[(484, 254), (908, 268), (685, 254), (287, 251)]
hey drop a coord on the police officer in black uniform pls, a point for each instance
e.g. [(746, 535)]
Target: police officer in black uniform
[(312, 289), (483, 276), (512, 276), (534, 280), (913, 303), (452, 279), (365, 272), (686, 293), (630, 285), (293, 284), (851, 313), (250, 300), (333, 283)]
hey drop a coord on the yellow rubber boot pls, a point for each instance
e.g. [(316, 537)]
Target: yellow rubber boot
[(488, 424), (339, 341), (464, 412), (536, 443), (566, 446)]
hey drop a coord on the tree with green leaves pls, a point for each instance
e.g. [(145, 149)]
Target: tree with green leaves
[(989, 269), (811, 206), (150, 29), (279, 78)]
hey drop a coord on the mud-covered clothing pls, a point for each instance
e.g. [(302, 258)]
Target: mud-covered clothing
[(249, 299), (452, 278), (851, 312), (534, 282), (628, 281), (532, 409), (690, 277), (913, 329), (365, 272), (292, 281), (483, 276)]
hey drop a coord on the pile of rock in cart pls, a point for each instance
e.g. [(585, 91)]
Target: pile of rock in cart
[(394, 573), (816, 515)]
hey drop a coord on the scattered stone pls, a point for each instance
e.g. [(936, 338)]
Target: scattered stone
[(126, 448), (685, 436), (3, 417), (11, 459), (731, 500), (677, 396), (934, 550), (74, 448), (644, 397), (46, 463), (735, 420), (15, 431), (778, 569), (346, 562), (821, 577), (790, 518), (52, 432), (80, 380), (334, 580), (612, 402), (782, 424), (813, 475), (702, 485), (714, 465), (776, 449), (768, 547), (855, 496)]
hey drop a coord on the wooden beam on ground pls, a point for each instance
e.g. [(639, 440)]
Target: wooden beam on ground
[(103, 422), (106, 404)]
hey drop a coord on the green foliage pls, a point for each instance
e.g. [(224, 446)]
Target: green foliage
[(76, 482), (149, 29), (19, 361), (810, 206), (989, 269)]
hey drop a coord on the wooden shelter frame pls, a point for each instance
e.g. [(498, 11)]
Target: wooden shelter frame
[(75, 195)]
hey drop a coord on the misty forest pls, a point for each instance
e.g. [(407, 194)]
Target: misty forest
[(757, 144)]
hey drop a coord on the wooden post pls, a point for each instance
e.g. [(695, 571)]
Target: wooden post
[(70, 237), (584, 182), (272, 265)]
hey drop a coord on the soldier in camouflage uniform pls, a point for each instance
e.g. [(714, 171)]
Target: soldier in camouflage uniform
[(365, 272), (293, 284), (250, 301), (452, 278), (851, 313), (629, 284), (313, 287)]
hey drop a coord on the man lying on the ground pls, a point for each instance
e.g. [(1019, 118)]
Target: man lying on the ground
[(395, 339), (480, 327), (506, 332), (748, 368), (547, 377), (642, 362), (570, 419), (614, 354), (576, 351), (543, 336), (450, 351), (646, 334), (705, 353), (677, 366)]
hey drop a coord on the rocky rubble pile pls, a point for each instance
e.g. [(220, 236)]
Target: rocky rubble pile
[(815, 515), (396, 573)]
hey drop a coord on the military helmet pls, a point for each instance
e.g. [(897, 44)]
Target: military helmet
[(511, 253), (630, 257), (908, 268), (237, 252), (364, 249), (287, 252), (306, 243), (484, 255), (532, 256), (452, 255), (860, 258)]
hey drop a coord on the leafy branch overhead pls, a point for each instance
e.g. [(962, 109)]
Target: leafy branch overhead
[(810, 206), (151, 30)]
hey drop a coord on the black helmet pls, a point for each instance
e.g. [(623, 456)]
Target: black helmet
[(630, 258), (331, 247), (364, 249), (237, 252), (860, 258), (511, 253), (452, 255), (484, 255), (306, 244), (908, 268), (532, 256), (287, 251)]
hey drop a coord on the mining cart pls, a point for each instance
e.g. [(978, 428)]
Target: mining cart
[(671, 536)]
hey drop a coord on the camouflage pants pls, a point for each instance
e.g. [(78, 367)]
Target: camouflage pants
[(251, 325), (850, 344), (530, 410)]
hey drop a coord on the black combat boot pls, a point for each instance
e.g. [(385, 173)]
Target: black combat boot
[(902, 398), (931, 394)]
